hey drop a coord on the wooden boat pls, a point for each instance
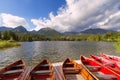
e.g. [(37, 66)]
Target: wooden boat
[(12, 71), (111, 64), (99, 70), (43, 71), (111, 57), (75, 71)]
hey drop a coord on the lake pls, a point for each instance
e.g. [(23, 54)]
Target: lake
[(55, 51)]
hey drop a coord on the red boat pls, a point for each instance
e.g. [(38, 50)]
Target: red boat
[(111, 64), (104, 61), (99, 70), (116, 58)]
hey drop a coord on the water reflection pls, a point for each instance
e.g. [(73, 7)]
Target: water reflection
[(55, 51)]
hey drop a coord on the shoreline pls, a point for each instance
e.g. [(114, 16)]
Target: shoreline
[(5, 44)]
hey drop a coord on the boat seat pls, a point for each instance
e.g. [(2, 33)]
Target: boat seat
[(20, 65), (44, 65), (93, 68), (12, 72), (42, 72), (71, 70), (69, 65), (103, 76)]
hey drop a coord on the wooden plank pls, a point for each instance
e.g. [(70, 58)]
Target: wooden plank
[(74, 77), (58, 73), (25, 74)]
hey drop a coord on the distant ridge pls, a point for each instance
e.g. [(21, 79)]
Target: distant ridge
[(70, 33), (51, 32), (96, 31), (33, 31), (3, 28), (44, 31)]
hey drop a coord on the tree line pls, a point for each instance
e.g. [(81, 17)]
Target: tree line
[(9, 35)]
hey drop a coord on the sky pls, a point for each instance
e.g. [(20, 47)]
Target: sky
[(61, 15)]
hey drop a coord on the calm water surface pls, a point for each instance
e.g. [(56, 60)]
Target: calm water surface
[(55, 51)]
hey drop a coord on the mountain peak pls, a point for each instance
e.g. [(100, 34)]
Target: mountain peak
[(20, 29), (49, 32)]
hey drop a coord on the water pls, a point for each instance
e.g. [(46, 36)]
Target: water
[(55, 51)]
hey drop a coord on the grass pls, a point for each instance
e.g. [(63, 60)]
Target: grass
[(8, 44)]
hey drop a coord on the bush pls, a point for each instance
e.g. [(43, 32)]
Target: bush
[(8, 44)]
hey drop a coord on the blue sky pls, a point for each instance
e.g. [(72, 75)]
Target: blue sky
[(30, 8), (61, 15)]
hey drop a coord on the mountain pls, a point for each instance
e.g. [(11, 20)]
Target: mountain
[(70, 33), (20, 29), (2, 28), (43, 31), (49, 32), (96, 31), (34, 32)]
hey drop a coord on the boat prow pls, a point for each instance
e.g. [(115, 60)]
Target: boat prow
[(44, 70), (111, 57)]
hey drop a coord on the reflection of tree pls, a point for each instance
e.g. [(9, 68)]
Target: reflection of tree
[(117, 45)]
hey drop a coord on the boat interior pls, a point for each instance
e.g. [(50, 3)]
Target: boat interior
[(12, 71), (74, 71), (44, 71), (99, 71)]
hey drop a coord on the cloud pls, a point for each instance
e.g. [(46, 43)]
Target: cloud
[(78, 15), (112, 22), (9, 20)]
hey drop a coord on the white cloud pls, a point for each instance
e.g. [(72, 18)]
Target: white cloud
[(78, 15), (9, 20)]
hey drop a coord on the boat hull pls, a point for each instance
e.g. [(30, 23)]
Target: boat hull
[(99, 70), (13, 71)]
